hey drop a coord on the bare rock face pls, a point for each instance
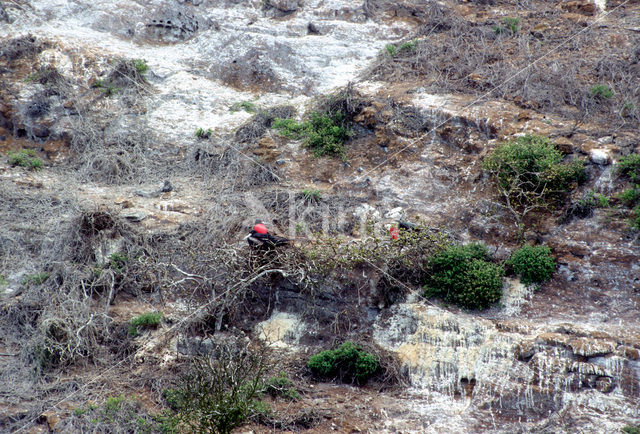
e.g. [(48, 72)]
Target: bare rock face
[(286, 6), (515, 368), (169, 25)]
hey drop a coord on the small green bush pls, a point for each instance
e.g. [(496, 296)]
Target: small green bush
[(247, 106), (630, 197), (311, 195), (25, 158), (140, 65), (464, 276), (349, 363), (634, 221), (201, 133), (629, 166), (408, 46), (534, 264), (146, 320), (324, 134), (529, 174), (108, 88), (35, 279), (594, 200), (289, 128), (531, 164), (509, 25), (601, 91), (630, 429), (391, 49), (281, 386)]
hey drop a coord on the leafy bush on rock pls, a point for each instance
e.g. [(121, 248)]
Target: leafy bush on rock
[(464, 276), (348, 362), (529, 174), (534, 264)]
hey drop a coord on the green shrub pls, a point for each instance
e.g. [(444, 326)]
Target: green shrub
[(174, 398), (140, 65), (532, 164), (349, 363), (324, 134), (201, 133), (629, 166), (311, 195), (117, 261), (108, 88), (408, 46), (25, 158), (630, 197), (629, 429), (391, 49), (529, 173), (281, 386), (534, 264), (634, 221), (463, 275), (35, 279), (509, 25), (247, 106), (146, 320), (601, 91), (594, 200)]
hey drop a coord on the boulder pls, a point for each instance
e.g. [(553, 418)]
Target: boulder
[(599, 156)]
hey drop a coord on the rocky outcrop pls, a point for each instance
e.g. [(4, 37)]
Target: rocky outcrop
[(517, 368)]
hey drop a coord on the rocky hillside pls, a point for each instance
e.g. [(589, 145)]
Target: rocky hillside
[(140, 141)]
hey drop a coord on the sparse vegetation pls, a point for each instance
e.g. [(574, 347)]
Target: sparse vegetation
[(311, 195), (25, 158), (630, 429), (509, 25), (594, 200), (391, 49), (201, 133), (140, 65), (601, 91), (247, 106), (405, 47), (108, 88), (534, 264), (324, 134), (221, 393), (117, 261), (145, 320), (35, 279), (116, 414), (629, 167), (281, 386), (348, 363), (630, 197), (464, 276)]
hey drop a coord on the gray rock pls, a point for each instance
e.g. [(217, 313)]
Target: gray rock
[(599, 156), (148, 194), (166, 187), (135, 216)]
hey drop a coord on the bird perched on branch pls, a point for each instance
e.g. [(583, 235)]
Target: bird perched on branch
[(261, 238)]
